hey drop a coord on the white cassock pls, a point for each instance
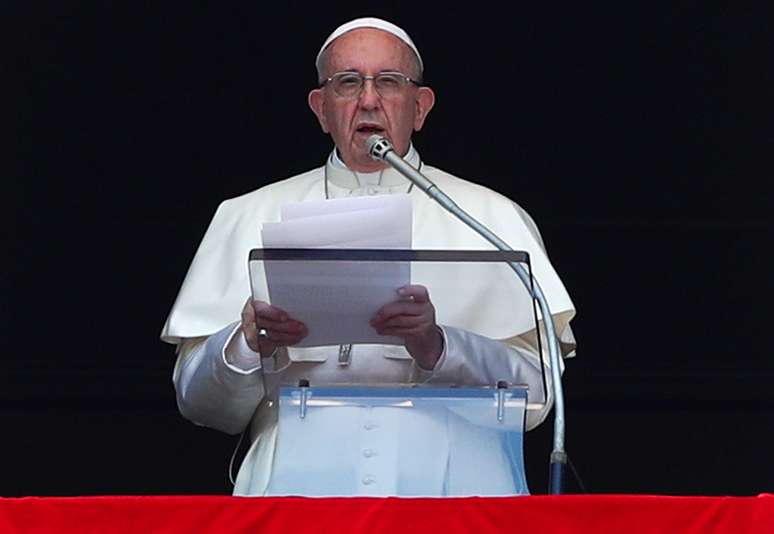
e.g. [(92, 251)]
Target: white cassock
[(488, 332)]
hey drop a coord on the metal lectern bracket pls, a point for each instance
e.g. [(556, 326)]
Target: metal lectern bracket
[(502, 388), (303, 385), (345, 355)]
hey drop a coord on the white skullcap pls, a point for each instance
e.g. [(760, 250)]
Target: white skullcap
[(371, 22)]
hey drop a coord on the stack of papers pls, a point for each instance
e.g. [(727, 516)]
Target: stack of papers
[(337, 299)]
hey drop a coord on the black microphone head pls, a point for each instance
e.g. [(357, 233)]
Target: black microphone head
[(378, 146)]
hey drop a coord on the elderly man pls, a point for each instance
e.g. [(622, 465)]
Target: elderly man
[(370, 75)]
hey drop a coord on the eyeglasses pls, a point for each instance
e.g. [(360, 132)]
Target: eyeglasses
[(350, 84)]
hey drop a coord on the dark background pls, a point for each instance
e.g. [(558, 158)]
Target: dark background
[(638, 135)]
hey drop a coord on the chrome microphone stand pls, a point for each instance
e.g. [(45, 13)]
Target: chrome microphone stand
[(380, 148)]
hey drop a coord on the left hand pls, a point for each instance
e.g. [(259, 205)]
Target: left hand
[(413, 319)]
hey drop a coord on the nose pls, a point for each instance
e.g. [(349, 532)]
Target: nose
[(369, 98)]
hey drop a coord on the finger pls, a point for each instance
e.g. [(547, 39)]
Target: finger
[(248, 319), (400, 332), (401, 308), (250, 334), (418, 293), (248, 310), (249, 329), (288, 327), (283, 338), (274, 318), (268, 312), (404, 321)]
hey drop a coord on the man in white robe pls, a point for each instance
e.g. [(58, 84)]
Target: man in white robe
[(369, 73)]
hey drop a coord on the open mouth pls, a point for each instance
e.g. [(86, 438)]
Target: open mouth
[(370, 129)]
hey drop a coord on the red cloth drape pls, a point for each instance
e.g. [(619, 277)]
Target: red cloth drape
[(537, 514)]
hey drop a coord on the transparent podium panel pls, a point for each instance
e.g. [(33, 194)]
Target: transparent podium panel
[(336, 292), (380, 441)]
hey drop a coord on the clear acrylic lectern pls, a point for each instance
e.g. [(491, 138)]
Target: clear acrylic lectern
[(399, 441), (349, 439)]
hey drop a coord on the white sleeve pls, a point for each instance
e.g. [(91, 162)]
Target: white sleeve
[(473, 360), (219, 382)]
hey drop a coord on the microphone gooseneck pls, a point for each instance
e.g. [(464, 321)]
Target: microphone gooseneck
[(380, 148)]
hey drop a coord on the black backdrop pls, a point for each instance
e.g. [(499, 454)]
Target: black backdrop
[(636, 134)]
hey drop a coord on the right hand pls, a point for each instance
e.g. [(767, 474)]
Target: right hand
[(282, 330)]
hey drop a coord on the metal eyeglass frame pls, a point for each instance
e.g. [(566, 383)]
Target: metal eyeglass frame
[(363, 79)]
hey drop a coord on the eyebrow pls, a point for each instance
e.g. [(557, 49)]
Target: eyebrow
[(356, 71)]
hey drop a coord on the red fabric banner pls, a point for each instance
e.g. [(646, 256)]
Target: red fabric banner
[(629, 514)]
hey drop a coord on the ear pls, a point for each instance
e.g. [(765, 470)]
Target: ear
[(425, 100), (315, 100)]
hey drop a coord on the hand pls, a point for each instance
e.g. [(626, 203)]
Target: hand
[(413, 319), (282, 331)]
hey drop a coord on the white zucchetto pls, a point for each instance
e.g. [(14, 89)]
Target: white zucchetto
[(371, 22)]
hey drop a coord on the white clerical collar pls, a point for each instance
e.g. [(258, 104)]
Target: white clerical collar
[(340, 175)]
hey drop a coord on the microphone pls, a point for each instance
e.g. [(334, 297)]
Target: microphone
[(381, 149)]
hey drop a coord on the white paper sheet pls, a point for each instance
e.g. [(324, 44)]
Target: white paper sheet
[(336, 300)]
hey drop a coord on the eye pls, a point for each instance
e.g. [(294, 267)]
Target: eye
[(389, 81), (349, 80)]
